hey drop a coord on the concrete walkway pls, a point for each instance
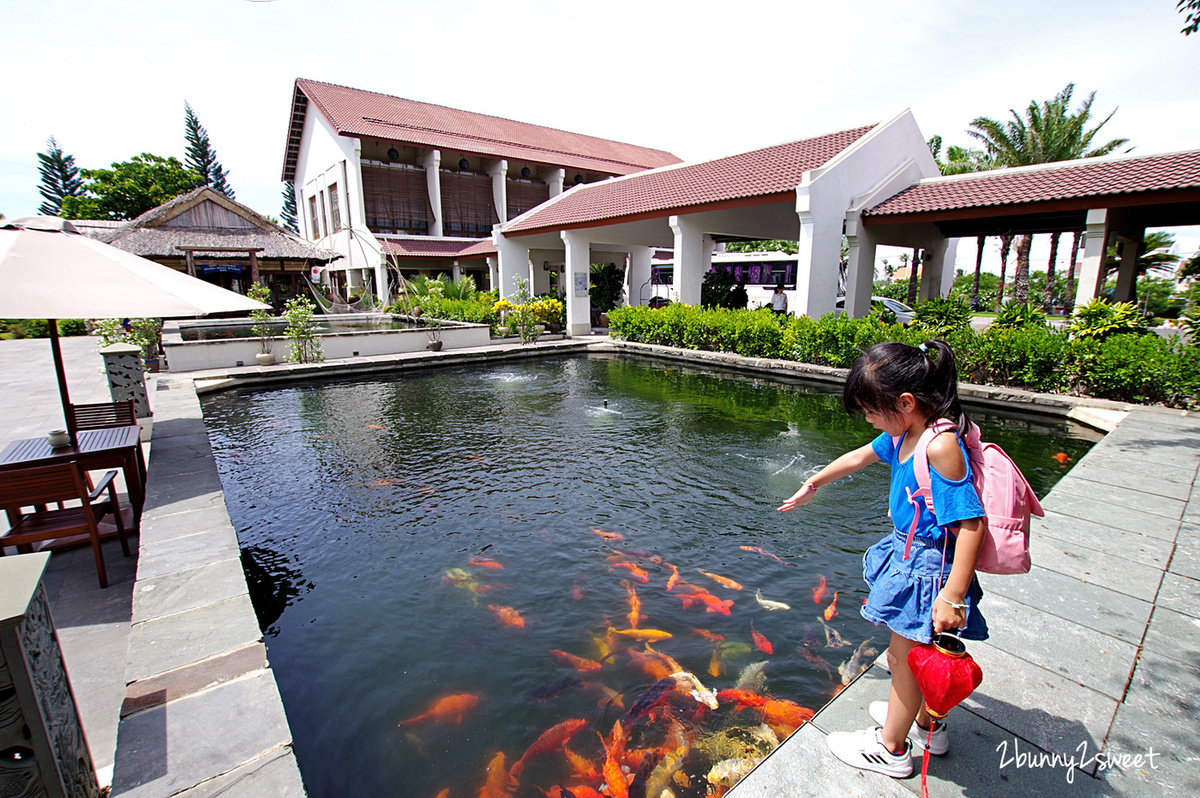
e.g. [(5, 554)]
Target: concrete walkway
[(1097, 648)]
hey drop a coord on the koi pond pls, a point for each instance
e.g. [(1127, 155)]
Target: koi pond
[(485, 580)]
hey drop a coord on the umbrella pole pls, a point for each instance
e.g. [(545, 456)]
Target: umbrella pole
[(52, 325)]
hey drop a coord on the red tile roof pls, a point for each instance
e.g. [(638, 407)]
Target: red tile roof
[(1095, 177), (760, 173), (354, 112), (421, 247)]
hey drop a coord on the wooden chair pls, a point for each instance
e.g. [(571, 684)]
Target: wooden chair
[(25, 493), (100, 416)]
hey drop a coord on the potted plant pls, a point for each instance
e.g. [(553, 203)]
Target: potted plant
[(301, 332), (434, 331), (261, 327)]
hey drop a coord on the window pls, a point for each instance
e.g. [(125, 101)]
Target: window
[(467, 204), (324, 218), (335, 214), (396, 200), (312, 212)]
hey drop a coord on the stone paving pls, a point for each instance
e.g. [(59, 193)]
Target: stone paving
[(1097, 648)]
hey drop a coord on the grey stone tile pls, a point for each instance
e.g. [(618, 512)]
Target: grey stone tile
[(1174, 744), (1110, 458), (172, 748), (1180, 593), (1111, 514), (181, 501), (1107, 570), (1064, 715), (274, 775), (1042, 590), (99, 710), (1173, 634), (1186, 559), (162, 528), (1174, 447), (1090, 658), (1117, 493), (187, 551), (95, 655), (188, 589), (167, 491), (1077, 533), (161, 644), (1139, 480), (1165, 686)]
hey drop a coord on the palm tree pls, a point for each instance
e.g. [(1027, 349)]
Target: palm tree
[(1048, 296), (1049, 132), (1005, 243), (1154, 255), (1070, 298)]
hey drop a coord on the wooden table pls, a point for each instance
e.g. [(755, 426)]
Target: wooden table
[(114, 447)]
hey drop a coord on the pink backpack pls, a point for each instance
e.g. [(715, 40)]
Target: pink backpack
[(1007, 500)]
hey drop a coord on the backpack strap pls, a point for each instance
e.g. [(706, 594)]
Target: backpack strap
[(921, 472)]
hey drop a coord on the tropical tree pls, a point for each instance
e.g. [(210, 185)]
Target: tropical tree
[(960, 160), (1192, 9), (201, 158), (60, 178), (288, 213), (1050, 131), (1189, 268), (1154, 255), (914, 277), (130, 188), (1005, 245), (790, 247), (1070, 294)]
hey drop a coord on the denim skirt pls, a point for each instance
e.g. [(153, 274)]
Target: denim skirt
[(903, 591)]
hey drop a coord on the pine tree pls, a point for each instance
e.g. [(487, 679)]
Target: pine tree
[(60, 178), (288, 213), (201, 158)]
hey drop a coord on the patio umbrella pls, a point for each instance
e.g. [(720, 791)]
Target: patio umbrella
[(49, 270)]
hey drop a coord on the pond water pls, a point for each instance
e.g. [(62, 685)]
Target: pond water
[(374, 518)]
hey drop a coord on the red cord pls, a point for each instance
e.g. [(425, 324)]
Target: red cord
[(925, 763)]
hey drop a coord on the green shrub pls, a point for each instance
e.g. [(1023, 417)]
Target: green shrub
[(1099, 319), (1024, 357), (938, 317), (1020, 314), (1138, 368)]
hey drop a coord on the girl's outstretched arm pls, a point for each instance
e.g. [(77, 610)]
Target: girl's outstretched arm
[(848, 463)]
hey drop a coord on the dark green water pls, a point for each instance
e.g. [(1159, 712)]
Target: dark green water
[(353, 500)]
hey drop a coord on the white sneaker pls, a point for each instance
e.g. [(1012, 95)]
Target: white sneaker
[(865, 750), (938, 744)]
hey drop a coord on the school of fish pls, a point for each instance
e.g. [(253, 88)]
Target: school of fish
[(680, 736)]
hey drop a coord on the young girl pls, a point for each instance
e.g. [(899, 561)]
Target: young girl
[(902, 390)]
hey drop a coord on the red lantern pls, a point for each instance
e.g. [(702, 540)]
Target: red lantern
[(946, 675)]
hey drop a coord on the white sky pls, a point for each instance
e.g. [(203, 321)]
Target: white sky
[(698, 78)]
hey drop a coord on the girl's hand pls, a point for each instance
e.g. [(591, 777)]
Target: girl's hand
[(947, 618), (803, 496)]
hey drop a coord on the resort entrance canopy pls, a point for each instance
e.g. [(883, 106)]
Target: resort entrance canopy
[(799, 191), (1110, 200)]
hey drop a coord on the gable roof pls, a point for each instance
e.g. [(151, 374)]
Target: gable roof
[(425, 247), (153, 235), (765, 173), (1062, 181), (354, 112)]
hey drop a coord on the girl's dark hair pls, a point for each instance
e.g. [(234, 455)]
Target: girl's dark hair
[(889, 369)]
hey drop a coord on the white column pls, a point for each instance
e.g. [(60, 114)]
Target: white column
[(860, 269), (1091, 270), (934, 265), (432, 161), (577, 268), (360, 217), (455, 271), (499, 172), (554, 179), (493, 272), (693, 258), (639, 275), (513, 262), (1127, 272)]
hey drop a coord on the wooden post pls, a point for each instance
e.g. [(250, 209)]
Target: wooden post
[(191, 262), (253, 267)]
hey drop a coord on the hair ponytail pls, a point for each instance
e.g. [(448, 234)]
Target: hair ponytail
[(943, 383), (887, 370)]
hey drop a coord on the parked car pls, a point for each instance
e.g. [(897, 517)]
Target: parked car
[(904, 314)]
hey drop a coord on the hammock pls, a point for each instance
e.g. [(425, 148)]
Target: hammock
[(335, 304)]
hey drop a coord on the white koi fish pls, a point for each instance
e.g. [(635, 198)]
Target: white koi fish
[(770, 605)]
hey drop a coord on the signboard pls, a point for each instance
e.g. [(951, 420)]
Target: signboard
[(220, 268), (581, 284)]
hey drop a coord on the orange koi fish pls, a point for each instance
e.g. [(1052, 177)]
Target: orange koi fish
[(831, 610), (383, 483), (743, 698), (784, 717), (673, 579), (375, 426), (584, 791), (815, 659), (761, 642), (484, 562), (819, 591), (1061, 457), (767, 554), (443, 793), (723, 581), (711, 637), (551, 740), (715, 666), (635, 605), (449, 708), (649, 635), (611, 696), (654, 668), (637, 572), (508, 616), (578, 663), (583, 768), (614, 752), (711, 603), (576, 592), (665, 659), (499, 783), (608, 535)]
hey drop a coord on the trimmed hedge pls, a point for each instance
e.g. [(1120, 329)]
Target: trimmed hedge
[(1147, 369)]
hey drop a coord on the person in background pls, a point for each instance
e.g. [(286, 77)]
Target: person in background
[(738, 298), (779, 301)]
